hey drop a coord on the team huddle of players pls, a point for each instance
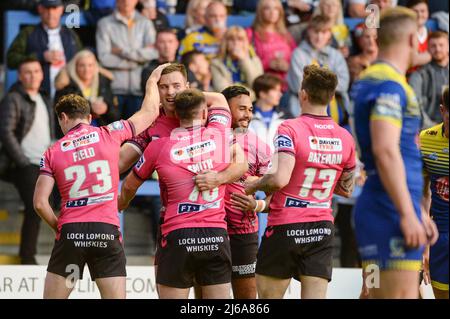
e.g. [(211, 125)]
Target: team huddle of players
[(210, 166)]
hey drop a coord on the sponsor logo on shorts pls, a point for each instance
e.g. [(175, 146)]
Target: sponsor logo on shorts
[(244, 269), (115, 126), (88, 139), (298, 203), (89, 201), (269, 232), (283, 142), (185, 208), (193, 150), (397, 247), (368, 251), (328, 144)]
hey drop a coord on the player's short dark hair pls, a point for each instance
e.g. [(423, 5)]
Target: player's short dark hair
[(28, 60), (188, 102), (413, 3), (265, 83), (233, 91), (74, 106), (445, 98), (319, 83), (438, 34), (175, 67), (189, 57)]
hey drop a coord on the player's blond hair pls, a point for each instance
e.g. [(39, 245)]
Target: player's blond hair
[(394, 23)]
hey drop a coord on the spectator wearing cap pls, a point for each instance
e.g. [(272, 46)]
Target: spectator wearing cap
[(49, 42), (207, 39), (365, 41), (167, 46), (125, 43)]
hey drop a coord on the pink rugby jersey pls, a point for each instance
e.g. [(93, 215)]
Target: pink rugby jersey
[(84, 164), (322, 151), (177, 159), (258, 156), (162, 127)]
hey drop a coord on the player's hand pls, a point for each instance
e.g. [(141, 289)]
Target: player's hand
[(431, 230), (249, 184), (156, 74), (413, 231), (207, 180), (243, 202)]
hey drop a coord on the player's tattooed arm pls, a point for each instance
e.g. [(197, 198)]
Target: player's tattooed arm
[(42, 192), (277, 177), (129, 188), (345, 184), (208, 180)]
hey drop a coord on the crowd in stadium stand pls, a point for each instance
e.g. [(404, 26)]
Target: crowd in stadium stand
[(133, 37)]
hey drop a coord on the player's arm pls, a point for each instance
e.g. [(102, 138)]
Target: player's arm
[(216, 99), (127, 157), (391, 169), (277, 177), (129, 188), (42, 192), (247, 203), (150, 106), (345, 184), (208, 180), (426, 198)]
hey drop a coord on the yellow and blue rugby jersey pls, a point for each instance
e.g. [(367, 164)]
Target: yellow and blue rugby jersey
[(434, 148), (382, 93), (202, 41)]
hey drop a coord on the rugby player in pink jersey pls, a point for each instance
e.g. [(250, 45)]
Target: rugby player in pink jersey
[(173, 80), (241, 210), (84, 165), (313, 159), (194, 244)]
